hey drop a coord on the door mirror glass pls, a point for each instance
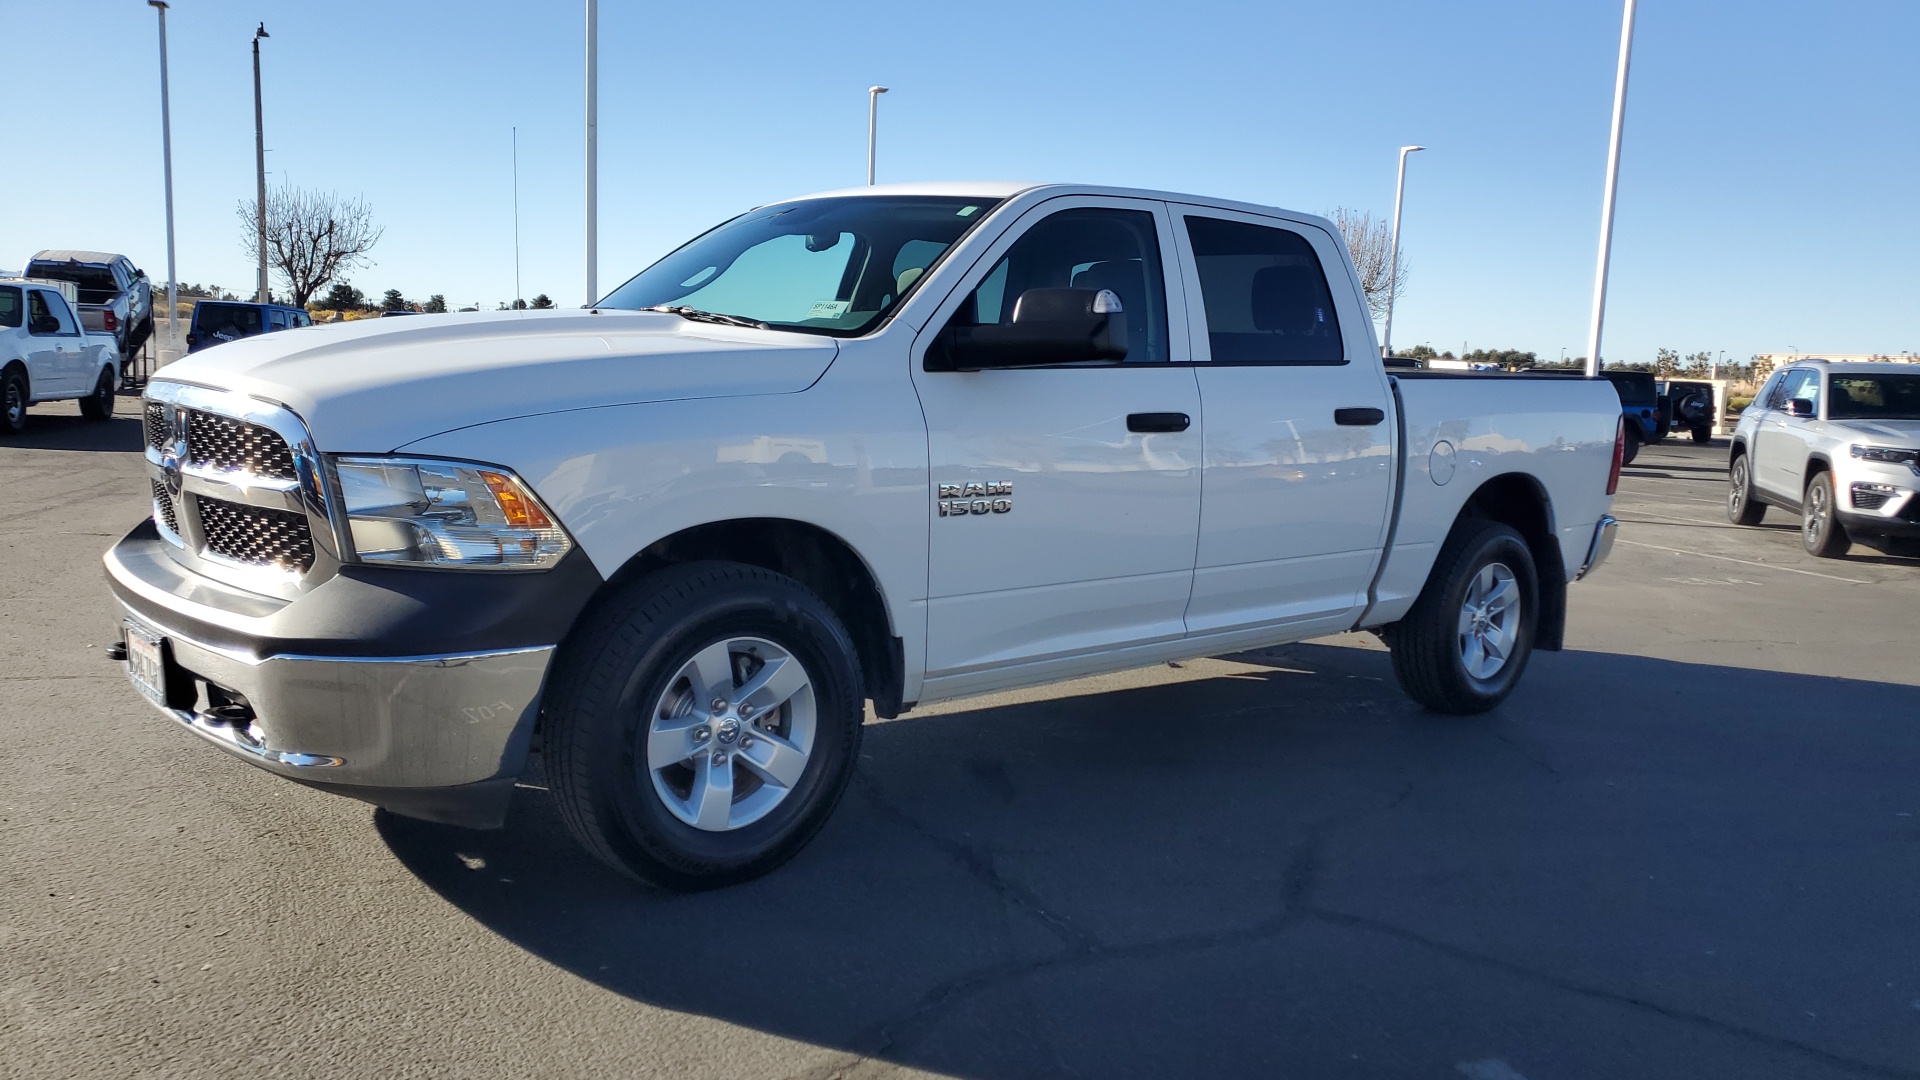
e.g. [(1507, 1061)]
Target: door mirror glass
[(1049, 326), (1801, 408)]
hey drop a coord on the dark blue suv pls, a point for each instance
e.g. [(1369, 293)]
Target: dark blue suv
[(215, 321), (1639, 407)]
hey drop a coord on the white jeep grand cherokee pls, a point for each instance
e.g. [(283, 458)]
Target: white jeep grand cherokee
[(897, 444)]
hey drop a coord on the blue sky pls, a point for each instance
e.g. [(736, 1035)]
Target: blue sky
[(1767, 193)]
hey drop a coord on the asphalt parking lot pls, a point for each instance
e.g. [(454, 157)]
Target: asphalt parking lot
[(1689, 846)]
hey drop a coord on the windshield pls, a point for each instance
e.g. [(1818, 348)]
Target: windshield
[(1874, 397), (828, 266)]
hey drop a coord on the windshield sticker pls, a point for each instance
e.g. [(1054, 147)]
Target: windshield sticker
[(829, 309), (966, 211)]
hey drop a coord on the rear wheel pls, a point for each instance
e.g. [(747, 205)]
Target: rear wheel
[(1631, 449), (99, 404), (1462, 647), (703, 725), (1820, 529), (13, 401), (1742, 507)]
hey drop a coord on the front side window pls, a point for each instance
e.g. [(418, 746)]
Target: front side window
[(1801, 385), (827, 266), (1086, 248), (1265, 293), (47, 313), (11, 313), (1874, 397)]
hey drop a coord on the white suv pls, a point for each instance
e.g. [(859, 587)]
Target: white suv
[(47, 355), (1840, 444)]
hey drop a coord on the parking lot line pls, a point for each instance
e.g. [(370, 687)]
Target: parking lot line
[(1745, 562)]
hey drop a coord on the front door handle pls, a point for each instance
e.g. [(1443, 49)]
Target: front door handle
[(1366, 417), (1158, 421)]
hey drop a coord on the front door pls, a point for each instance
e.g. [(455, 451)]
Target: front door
[(1299, 440), (53, 352), (1780, 451), (1063, 500)]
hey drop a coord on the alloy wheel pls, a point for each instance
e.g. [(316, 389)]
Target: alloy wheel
[(731, 735), (1489, 622)]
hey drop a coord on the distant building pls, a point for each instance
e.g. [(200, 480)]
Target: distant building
[(1779, 359)]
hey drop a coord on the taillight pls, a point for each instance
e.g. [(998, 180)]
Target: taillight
[(1619, 454), (112, 322)]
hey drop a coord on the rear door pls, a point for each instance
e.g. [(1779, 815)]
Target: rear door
[(1062, 522), (1299, 439)]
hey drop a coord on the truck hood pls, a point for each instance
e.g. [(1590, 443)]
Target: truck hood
[(1905, 433), (374, 385)]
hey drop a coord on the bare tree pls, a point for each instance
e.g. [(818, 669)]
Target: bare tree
[(313, 237), (1371, 244)]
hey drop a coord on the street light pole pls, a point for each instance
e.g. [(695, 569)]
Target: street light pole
[(1393, 257), (166, 160), (873, 126), (593, 151), (260, 165), (1613, 182)]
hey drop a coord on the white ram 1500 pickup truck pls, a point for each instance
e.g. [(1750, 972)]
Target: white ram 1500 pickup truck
[(896, 444)]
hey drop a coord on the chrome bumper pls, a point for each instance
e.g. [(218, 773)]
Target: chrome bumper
[(377, 722), (1602, 545)]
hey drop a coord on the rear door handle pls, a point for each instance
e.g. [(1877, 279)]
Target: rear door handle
[(1366, 417), (1158, 421)]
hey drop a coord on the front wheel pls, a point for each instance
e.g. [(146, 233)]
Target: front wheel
[(1820, 529), (99, 404), (703, 724), (1742, 507), (1462, 647)]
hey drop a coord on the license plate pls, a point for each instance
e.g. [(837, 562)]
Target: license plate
[(144, 666)]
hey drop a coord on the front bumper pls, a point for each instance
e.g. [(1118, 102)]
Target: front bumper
[(413, 690)]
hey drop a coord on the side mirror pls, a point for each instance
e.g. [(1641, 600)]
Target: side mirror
[(1050, 326), (45, 324), (1800, 407)]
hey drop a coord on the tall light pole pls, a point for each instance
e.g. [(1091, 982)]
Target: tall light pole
[(260, 165), (1393, 257), (166, 160), (516, 216), (593, 151), (873, 126), (1613, 182)]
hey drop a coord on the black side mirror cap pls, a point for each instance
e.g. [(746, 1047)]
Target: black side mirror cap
[(1050, 326), (1801, 408)]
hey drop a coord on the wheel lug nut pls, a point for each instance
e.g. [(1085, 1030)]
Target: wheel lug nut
[(702, 733), (719, 757), (746, 741), (719, 704)]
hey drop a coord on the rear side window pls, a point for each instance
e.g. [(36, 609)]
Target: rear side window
[(1266, 295), (10, 310)]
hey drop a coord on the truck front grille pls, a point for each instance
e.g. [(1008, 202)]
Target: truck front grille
[(222, 442), (256, 535), (159, 429), (164, 511)]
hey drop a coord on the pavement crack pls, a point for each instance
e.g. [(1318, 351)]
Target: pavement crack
[(1701, 1020)]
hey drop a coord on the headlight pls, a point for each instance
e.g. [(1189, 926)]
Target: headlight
[(1892, 455), (421, 512)]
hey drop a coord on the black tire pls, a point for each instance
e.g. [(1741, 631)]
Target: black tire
[(98, 405), (1702, 435), (1820, 530), (1428, 644), (1632, 448), (13, 401), (1742, 507), (628, 656)]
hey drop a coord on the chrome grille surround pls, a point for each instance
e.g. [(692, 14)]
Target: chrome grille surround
[(250, 499)]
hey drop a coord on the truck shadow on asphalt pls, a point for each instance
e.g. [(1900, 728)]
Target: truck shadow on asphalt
[(1282, 860), (121, 434)]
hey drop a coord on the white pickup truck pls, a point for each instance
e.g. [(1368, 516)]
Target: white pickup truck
[(897, 444), (47, 355)]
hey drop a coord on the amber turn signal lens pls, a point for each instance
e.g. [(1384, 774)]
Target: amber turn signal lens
[(521, 512)]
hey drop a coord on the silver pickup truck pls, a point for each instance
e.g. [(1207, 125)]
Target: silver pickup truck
[(115, 296)]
